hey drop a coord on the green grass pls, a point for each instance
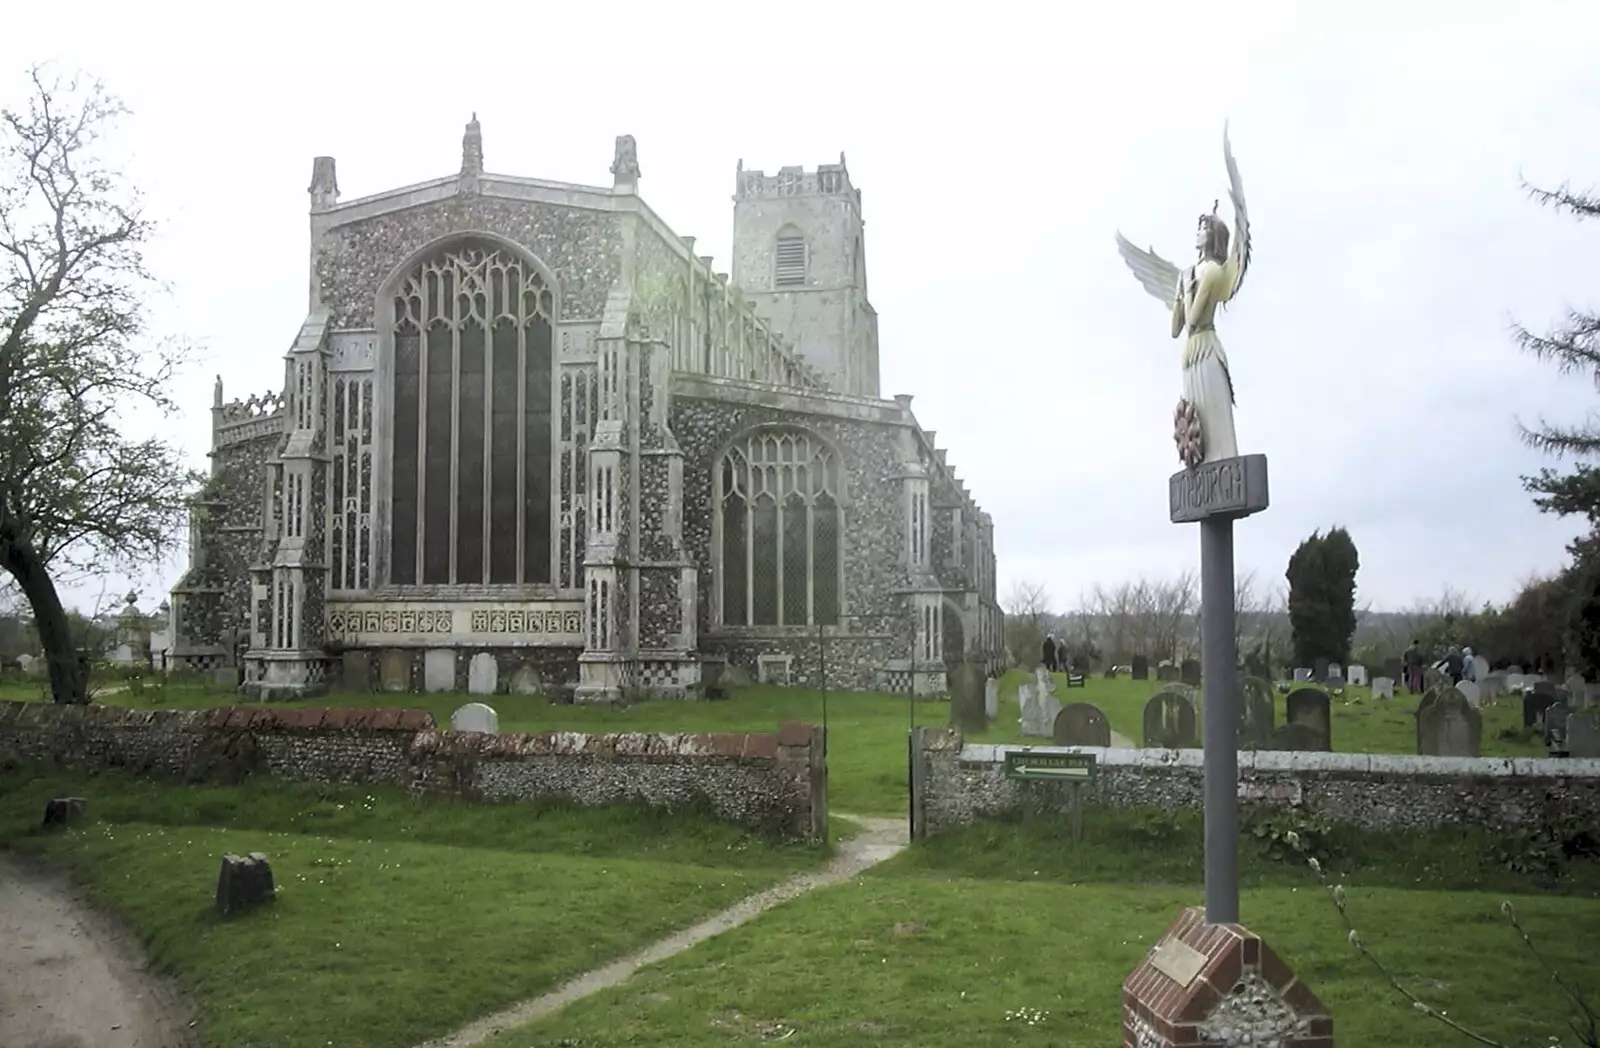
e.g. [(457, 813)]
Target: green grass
[(398, 918), (947, 944)]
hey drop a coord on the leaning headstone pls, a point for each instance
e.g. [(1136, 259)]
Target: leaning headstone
[(483, 674), (1189, 672), (1166, 671), (244, 882), (1583, 735), (394, 670), (966, 699), (525, 680), (1383, 687), (1141, 668), (1081, 724), (439, 669), (1450, 727), (1555, 727), (1469, 691), (475, 716), (1169, 720), (1357, 676), (1257, 712), (1310, 706), (63, 811), (1534, 705), (1302, 674), (991, 698)]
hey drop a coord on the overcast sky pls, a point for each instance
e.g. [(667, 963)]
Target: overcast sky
[(998, 148)]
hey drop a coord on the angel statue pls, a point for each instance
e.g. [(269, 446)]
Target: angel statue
[(1203, 422)]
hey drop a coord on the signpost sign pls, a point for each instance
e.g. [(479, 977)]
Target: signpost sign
[(1055, 766)]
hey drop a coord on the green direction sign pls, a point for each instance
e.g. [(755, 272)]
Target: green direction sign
[(1056, 767)]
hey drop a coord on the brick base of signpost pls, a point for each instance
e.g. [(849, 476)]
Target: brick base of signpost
[(1218, 985)]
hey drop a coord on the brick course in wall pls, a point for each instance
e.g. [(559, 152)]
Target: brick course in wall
[(961, 783), (773, 781)]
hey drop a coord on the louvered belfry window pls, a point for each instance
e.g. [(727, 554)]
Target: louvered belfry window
[(791, 268)]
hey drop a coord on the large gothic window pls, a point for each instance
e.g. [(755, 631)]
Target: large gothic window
[(472, 373), (780, 523)]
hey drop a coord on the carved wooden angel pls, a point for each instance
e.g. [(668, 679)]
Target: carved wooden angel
[(1204, 420)]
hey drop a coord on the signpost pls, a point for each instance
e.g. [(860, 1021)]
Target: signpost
[(1055, 766)]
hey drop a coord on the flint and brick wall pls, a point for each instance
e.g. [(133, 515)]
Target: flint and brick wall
[(958, 784), (767, 781)]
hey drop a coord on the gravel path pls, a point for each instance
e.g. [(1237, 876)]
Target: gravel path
[(879, 839), (70, 977)]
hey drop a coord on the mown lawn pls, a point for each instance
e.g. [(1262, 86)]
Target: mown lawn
[(398, 918), (1001, 935)]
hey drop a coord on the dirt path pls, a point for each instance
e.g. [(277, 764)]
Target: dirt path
[(879, 839), (69, 977)]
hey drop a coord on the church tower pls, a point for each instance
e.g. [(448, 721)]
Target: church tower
[(799, 255)]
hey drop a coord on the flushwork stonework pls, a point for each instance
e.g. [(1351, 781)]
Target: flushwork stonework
[(524, 418)]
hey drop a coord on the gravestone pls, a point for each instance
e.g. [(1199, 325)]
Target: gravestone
[(1335, 673), (1169, 720), (243, 882), (1534, 705), (991, 698), (1257, 712), (1543, 687), (1516, 681), (1577, 690), (1357, 676), (1319, 669), (1383, 687), (1492, 686), (1555, 726), (394, 669), (1583, 735), (483, 674), (1166, 671), (1450, 727), (475, 716), (1039, 711), (1302, 674), (1295, 738), (1310, 706), (1469, 691), (1514, 669), (439, 670), (1434, 693), (1081, 724), (1045, 681), (966, 698), (355, 670), (1141, 668), (1432, 678), (64, 811), (1189, 672), (525, 680), (25, 663)]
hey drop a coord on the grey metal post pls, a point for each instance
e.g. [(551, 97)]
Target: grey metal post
[(1219, 680), (1215, 494)]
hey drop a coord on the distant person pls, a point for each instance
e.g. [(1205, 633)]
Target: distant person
[(1048, 654), (1453, 664), (1469, 667), (1413, 667)]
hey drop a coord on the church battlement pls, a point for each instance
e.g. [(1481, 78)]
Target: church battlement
[(242, 420), (826, 180)]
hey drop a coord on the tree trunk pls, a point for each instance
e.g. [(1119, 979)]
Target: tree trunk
[(69, 674)]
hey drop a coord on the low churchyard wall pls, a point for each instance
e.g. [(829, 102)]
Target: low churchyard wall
[(959, 783), (769, 781)]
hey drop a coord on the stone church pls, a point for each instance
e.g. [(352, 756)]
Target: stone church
[(529, 440)]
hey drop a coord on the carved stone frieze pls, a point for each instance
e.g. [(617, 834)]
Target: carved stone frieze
[(379, 623)]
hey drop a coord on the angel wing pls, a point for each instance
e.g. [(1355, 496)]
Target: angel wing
[(1158, 276), (1239, 255)]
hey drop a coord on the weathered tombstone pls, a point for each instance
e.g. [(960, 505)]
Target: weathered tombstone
[(1555, 726), (1577, 689), (1166, 671), (1516, 681), (394, 670), (1335, 673), (525, 680), (1534, 705), (1583, 735), (1257, 712), (1450, 727), (1295, 738), (1383, 687), (966, 698), (475, 716), (1302, 674), (1357, 676), (1081, 724), (1189, 672), (439, 669), (1310, 706), (991, 698), (1319, 669), (1039, 713), (483, 674), (25, 663), (244, 882), (1492, 686), (1045, 680), (1514, 669), (1169, 720), (63, 811), (1469, 691), (355, 670), (1141, 668)]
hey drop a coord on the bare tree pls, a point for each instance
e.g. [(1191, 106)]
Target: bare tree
[(1027, 608), (77, 493)]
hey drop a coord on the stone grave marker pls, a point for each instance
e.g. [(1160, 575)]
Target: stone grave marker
[(991, 698), (1302, 674), (1319, 669), (355, 670), (439, 669), (475, 716), (1357, 676), (243, 882), (1335, 673), (1081, 724), (526, 680), (1492, 686), (1045, 681), (1295, 738), (1167, 672), (966, 698), (25, 663), (1577, 689), (1257, 712), (64, 811), (1310, 706), (1141, 668), (1450, 727), (1480, 667), (1383, 687), (1189, 672), (394, 669), (1534, 705), (1514, 669), (1516, 681), (1169, 719), (1469, 691), (1583, 735), (483, 674), (1039, 711), (1555, 726)]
